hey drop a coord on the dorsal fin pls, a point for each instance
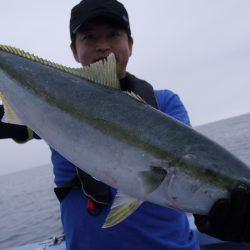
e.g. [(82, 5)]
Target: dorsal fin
[(136, 97), (102, 72)]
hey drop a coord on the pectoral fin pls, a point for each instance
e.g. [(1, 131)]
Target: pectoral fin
[(152, 179), (9, 114), (122, 207)]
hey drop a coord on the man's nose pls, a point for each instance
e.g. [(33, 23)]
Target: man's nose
[(103, 46)]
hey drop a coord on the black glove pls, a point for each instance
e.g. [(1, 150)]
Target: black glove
[(229, 219), (1, 112), (17, 132)]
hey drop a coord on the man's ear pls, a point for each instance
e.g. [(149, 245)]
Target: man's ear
[(73, 49), (130, 42)]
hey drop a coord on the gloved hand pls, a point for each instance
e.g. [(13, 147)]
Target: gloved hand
[(18, 133), (229, 219), (1, 112)]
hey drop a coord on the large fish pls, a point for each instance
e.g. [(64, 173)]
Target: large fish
[(115, 136)]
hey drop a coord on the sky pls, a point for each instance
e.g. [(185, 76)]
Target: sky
[(200, 49)]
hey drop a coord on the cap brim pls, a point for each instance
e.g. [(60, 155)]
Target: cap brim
[(110, 17)]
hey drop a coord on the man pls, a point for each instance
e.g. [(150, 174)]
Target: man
[(97, 28)]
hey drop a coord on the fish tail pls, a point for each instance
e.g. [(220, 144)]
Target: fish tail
[(9, 115)]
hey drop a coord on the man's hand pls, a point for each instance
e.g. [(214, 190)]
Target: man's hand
[(229, 219), (19, 133)]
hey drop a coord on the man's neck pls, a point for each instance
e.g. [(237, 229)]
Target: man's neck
[(123, 84)]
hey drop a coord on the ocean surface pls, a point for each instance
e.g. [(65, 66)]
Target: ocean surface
[(29, 211)]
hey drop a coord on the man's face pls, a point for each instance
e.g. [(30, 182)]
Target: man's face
[(97, 40)]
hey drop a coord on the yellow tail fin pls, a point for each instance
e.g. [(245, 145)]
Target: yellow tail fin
[(9, 114)]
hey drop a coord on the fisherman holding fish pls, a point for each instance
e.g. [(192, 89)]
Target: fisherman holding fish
[(97, 29)]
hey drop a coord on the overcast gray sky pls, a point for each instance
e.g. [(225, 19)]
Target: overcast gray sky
[(199, 49)]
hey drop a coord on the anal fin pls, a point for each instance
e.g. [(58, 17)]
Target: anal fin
[(122, 207)]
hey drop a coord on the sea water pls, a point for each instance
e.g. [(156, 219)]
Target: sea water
[(29, 211)]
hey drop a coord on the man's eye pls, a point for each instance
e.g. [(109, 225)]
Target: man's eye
[(114, 34), (86, 37)]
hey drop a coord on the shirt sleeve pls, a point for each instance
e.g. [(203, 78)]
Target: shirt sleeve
[(171, 104)]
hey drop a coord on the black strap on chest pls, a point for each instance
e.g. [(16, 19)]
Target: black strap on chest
[(98, 193)]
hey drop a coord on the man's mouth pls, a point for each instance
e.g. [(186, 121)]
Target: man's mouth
[(103, 59)]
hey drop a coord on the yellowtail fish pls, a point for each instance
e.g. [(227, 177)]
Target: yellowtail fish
[(116, 137)]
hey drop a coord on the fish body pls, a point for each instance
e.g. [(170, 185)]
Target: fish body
[(119, 139)]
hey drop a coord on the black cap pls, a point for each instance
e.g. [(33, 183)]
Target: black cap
[(91, 9)]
